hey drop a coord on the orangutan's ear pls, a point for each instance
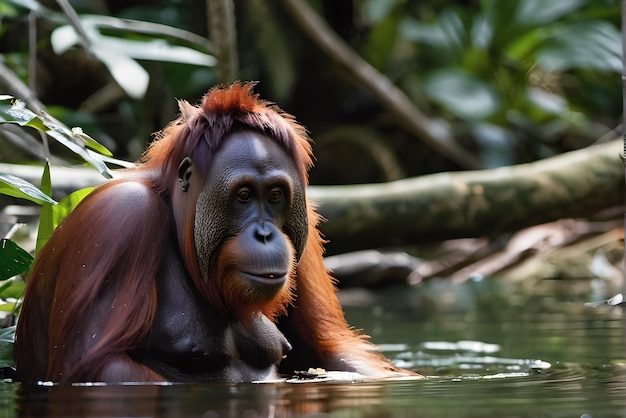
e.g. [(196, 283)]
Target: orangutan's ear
[(187, 112)]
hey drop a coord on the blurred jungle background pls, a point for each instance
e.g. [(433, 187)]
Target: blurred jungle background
[(458, 139)]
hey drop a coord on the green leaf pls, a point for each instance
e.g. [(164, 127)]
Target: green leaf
[(131, 76), (91, 143), (45, 219), (155, 50), (14, 186), (462, 94), (13, 259), (12, 289), (16, 112), (7, 334), (377, 10), (7, 337), (75, 140), (67, 205), (65, 137), (541, 12), (585, 45), (118, 54)]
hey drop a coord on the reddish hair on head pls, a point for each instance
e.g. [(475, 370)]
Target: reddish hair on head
[(199, 130)]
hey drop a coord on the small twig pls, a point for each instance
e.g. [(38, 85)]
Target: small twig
[(75, 22), (32, 50), (32, 70)]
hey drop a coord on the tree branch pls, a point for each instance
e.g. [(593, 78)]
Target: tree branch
[(471, 203), (435, 134)]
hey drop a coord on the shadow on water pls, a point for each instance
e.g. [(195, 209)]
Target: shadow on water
[(487, 352)]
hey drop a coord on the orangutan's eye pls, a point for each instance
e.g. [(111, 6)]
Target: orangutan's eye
[(244, 195), (275, 194)]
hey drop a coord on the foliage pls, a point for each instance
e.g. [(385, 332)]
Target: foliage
[(514, 74), (13, 259), (119, 43), (74, 139)]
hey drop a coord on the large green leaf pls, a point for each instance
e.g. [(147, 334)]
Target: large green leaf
[(13, 259), (67, 205), (14, 186), (14, 111), (119, 53), (45, 218), (464, 95), (76, 144), (585, 45)]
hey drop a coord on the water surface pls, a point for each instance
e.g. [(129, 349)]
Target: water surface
[(486, 350)]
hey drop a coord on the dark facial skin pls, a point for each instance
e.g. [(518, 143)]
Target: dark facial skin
[(253, 194)]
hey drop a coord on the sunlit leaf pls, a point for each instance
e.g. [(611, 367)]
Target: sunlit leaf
[(12, 289), (67, 205), (131, 76), (73, 139), (7, 307), (69, 142), (17, 112), (45, 218), (7, 10), (155, 50), (63, 38), (131, 26), (14, 186), (118, 54), (13, 259), (36, 6), (90, 142)]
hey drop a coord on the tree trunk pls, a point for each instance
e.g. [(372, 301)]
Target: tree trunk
[(471, 203)]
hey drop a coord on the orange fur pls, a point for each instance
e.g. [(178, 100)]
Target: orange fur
[(234, 296), (91, 296)]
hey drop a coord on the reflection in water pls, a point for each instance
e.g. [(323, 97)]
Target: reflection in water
[(488, 354), (563, 391), (206, 400)]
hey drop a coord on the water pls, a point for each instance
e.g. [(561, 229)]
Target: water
[(487, 351)]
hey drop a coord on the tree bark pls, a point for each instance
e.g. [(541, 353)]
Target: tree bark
[(441, 206), (471, 203)]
